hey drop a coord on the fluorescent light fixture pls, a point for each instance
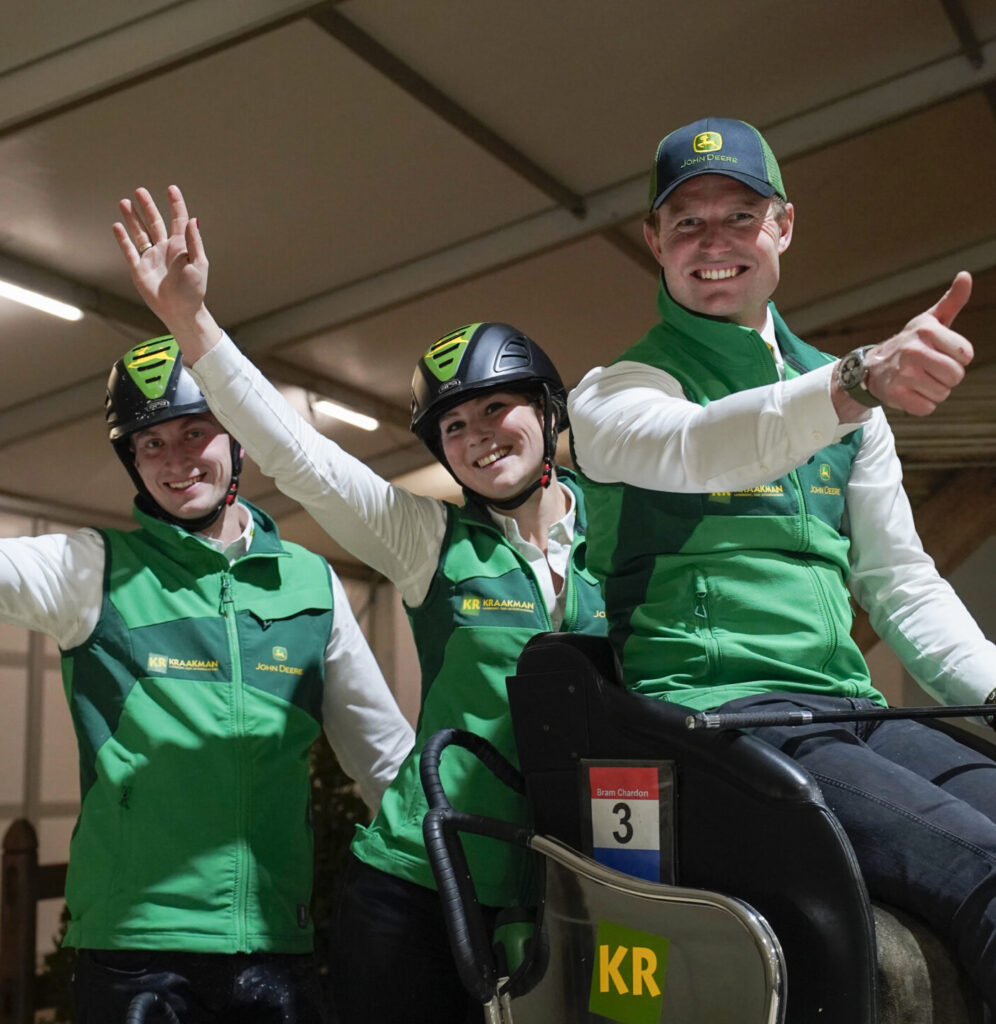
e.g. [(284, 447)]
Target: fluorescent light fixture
[(347, 415), (36, 301)]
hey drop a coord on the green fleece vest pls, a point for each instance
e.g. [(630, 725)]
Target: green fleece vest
[(195, 700), (716, 596), (482, 607)]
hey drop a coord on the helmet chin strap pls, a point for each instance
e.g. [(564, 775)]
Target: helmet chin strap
[(151, 507), (522, 497)]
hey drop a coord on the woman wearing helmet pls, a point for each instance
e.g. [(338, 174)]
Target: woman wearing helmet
[(478, 580)]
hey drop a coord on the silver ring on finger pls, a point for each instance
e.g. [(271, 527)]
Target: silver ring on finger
[(144, 248)]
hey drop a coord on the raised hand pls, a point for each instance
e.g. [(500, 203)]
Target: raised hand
[(916, 369), (169, 268)]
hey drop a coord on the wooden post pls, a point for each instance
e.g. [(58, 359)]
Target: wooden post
[(18, 923)]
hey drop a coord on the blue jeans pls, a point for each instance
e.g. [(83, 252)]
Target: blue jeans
[(391, 958), (920, 810), (202, 988)]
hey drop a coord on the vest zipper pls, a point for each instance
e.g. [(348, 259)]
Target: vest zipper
[(832, 638), (241, 766), (571, 590), (537, 590), (703, 626), (802, 515)]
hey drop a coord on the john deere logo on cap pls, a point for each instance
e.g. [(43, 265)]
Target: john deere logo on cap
[(149, 365), (707, 142), (443, 357)]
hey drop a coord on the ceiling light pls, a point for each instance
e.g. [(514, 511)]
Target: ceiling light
[(347, 415), (37, 301)]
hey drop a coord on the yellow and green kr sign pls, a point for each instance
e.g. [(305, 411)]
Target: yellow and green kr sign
[(627, 983)]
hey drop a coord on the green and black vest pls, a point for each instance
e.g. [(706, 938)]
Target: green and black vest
[(722, 595), (195, 700), (482, 607)]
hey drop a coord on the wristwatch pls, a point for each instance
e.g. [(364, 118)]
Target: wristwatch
[(990, 720), (852, 376)]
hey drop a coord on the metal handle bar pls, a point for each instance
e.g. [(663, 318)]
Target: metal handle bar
[(150, 1004), (472, 952), (480, 748), (754, 719)]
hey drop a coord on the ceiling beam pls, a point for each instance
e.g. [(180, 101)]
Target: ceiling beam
[(338, 391), (607, 208), (66, 405), (92, 300), (935, 273), (52, 512), (391, 288), (53, 410), (130, 52), (794, 137), (962, 25), (989, 91), (530, 236), (638, 252), (443, 106)]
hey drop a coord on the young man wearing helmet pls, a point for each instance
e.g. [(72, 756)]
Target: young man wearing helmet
[(201, 656), (743, 486), (478, 581)]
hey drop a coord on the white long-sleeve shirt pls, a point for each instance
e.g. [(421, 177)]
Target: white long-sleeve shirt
[(633, 424), (396, 532), (54, 584)]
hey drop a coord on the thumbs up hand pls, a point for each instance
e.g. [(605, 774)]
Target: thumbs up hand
[(916, 369)]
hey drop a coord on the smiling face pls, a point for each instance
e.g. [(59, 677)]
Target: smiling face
[(186, 464), (719, 244), (493, 443)]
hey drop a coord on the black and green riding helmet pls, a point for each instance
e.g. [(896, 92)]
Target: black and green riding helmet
[(474, 360), (149, 385)]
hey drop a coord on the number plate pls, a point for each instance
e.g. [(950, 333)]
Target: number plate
[(629, 806)]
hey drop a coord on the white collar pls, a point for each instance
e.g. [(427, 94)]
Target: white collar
[(510, 527), (241, 544)]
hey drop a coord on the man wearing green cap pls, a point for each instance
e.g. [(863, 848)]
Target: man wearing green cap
[(742, 486), (201, 657)]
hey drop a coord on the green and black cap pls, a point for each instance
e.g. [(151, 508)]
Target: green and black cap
[(714, 145), (149, 385)]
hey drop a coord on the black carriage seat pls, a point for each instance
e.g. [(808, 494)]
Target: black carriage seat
[(749, 822)]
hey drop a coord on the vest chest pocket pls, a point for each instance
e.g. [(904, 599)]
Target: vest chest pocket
[(823, 480), (285, 656)]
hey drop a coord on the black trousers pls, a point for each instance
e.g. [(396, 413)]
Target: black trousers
[(920, 810), (391, 958), (202, 988)]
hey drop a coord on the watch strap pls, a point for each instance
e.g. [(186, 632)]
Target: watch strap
[(859, 389)]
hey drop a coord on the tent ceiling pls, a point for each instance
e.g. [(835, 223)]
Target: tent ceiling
[(370, 174)]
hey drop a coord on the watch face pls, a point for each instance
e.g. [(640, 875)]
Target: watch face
[(852, 371)]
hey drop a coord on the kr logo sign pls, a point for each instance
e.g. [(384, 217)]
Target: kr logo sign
[(627, 984)]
